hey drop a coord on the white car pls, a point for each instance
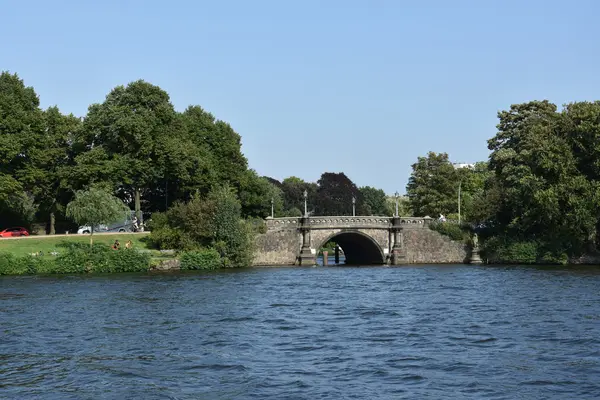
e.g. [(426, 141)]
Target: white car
[(116, 227)]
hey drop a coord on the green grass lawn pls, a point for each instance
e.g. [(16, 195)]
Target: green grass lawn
[(46, 244)]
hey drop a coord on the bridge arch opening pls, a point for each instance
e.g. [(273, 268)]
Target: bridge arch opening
[(358, 248)]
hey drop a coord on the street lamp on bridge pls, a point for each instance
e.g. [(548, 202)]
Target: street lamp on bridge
[(353, 206), (396, 197), (305, 197), (272, 209)]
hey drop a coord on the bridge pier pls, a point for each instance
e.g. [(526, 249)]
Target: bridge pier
[(306, 255), (398, 255)]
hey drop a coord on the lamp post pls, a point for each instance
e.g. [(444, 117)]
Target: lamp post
[(305, 197), (272, 210), (306, 252), (396, 196), (353, 206)]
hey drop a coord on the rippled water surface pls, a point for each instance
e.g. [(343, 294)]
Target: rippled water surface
[(437, 332)]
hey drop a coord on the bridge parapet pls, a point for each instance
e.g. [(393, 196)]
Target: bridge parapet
[(326, 222), (415, 222), (282, 223)]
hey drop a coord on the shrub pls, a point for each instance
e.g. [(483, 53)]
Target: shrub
[(503, 250), (519, 252), (13, 265), (127, 260), (79, 258), (182, 227), (76, 258), (452, 230), (100, 258), (201, 259), (165, 237), (211, 222)]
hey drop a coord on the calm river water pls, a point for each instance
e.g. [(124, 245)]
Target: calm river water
[(436, 332)]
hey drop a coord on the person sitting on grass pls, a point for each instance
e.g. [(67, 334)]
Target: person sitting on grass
[(128, 245), (116, 245)]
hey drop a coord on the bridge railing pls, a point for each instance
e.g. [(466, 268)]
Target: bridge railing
[(349, 221), (282, 223), (320, 222)]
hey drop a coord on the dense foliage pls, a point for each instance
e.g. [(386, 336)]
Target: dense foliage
[(136, 146), (206, 259), (76, 258), (209, 222), (453, 230), (537, 199)]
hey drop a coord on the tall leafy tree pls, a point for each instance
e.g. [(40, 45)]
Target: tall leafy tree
[(47, 163), (217, 140), (375, 201), (581, 126), (230, 235), (544, 194), (21, 122), (335, 193), (132, 126), (256, 193), (293, 195), (433, 186)]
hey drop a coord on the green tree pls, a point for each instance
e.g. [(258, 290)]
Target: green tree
[(255, 194), (230, 234), (206, 222), (581, 126), (132, 126), (433, 186), (47, 163), (219, 140), (335, 193), (375, 201), (472, 182), (21, 122), (403, 206), (94, 207), (293, 195), (544, 194)]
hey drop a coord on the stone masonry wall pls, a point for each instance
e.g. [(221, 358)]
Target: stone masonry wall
[(277, 247), (424, 246)]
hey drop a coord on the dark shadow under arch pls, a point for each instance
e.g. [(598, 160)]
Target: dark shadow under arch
[(359, 248)]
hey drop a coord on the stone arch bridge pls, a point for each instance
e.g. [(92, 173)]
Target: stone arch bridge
[(366, 240)]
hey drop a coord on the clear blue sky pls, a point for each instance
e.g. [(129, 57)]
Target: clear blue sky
[(363, 87)]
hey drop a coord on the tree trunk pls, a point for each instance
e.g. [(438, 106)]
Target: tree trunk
[(138, 212), (52, 222)]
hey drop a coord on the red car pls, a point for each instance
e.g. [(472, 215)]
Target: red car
[(14, 232)]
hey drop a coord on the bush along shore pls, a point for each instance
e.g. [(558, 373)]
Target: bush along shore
[(79, 258), (76, 258)]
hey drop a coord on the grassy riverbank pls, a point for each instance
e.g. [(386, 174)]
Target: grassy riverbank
[(47, 244), (62, 254)]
